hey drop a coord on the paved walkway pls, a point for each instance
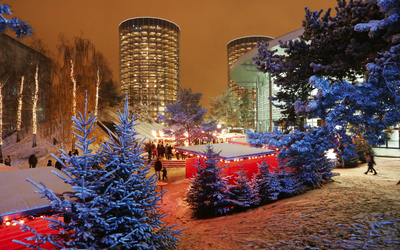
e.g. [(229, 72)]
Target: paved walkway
[(387, 152)]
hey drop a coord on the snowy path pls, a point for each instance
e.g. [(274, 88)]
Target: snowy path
[(354, 212)]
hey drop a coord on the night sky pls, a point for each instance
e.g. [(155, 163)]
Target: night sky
[(206, 28)]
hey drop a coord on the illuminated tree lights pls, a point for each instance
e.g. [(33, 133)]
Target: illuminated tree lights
[(73, 99), (34, 107), (19, 111), (97, 93)]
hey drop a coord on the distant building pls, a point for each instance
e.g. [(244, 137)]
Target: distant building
[(17, 60), (245, 74), (236, 48), (149, 62)]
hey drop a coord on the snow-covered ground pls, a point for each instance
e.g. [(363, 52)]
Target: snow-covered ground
[(355, 211)]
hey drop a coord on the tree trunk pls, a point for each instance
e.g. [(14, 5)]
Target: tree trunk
[(34, 141), (1, 153)]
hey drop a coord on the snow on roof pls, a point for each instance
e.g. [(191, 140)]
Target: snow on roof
[(143, 128), (4, 168), (17, 195), (227, 151)]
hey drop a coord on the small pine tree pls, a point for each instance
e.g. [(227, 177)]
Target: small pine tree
[(266, 183), (208, 192), (113, 205), (290, 183), (242, 191)]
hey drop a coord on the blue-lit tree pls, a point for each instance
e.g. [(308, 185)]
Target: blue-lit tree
[(266, 184), (112, 204), (186, 115), (208, 192), (242, 190), (351, 61), (302, 161), (21, 28)]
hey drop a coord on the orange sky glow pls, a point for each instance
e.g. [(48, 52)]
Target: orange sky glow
[(206, 28)]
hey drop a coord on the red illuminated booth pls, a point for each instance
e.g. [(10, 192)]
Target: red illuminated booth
[(231, 155), (19, 202)]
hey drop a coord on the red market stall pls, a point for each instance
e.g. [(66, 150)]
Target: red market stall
[(18, 201), (231, 155)]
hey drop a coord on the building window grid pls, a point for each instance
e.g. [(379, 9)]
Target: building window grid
[(149, 65)]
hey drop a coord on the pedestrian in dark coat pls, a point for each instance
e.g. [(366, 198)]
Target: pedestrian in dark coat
[(32, 161), (164, 173), (58, 165), (49, 163), (158, 150), (167, 151), (7, 161), (158, 167), (162, 150), (371, 163)]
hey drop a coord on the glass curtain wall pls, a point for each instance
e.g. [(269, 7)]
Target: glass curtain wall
[(149, 62), (237, 48)]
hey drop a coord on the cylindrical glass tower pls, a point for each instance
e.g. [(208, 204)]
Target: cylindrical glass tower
[(237, 48), (149, 62)]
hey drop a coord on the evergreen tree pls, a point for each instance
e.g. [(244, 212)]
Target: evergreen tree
[(209, 191), (226, 108), (266, 183), (242, 190), (330, 47), (21, 28), (186, 115), (142, 112), (289, 182), (302, 157), (113, 205)]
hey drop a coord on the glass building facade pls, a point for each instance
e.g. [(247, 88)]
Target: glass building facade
[(149, 62), (237, 48)]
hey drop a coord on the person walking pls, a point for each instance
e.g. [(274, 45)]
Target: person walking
[(154, 151), (58, 165), (32, 161), (49, 163), (371, 163), (167, 151), (164, 173), (158, 167), (7, 161), (162, 150)]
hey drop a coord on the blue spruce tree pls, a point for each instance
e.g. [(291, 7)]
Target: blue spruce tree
[(242, 190), (113, 205), (21, 28), (266, 184), (209, 191)]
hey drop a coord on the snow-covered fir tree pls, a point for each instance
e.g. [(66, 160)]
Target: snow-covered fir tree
[(242, 190), (21, 28), (113, 205), (302, 158), (209, 191), (186, 115), (266, 184)]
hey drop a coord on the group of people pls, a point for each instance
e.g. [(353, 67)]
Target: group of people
[(160, 151)]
